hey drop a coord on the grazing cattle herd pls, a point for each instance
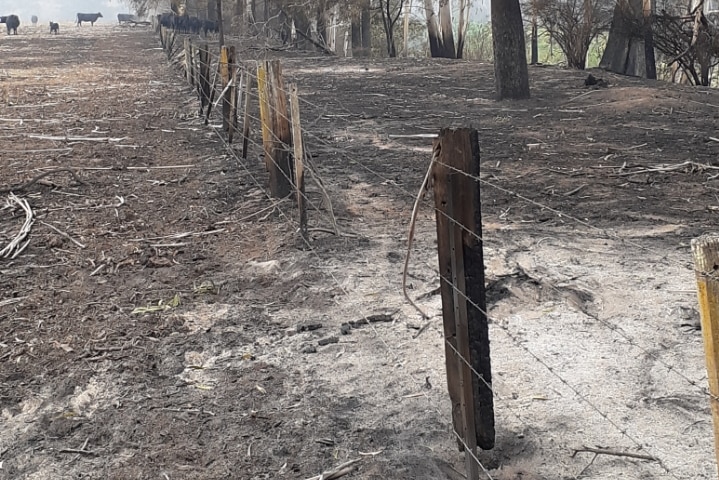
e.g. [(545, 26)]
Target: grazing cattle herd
[(177, 23)]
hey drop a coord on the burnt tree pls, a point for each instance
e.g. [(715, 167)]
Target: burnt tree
[(510, 62)]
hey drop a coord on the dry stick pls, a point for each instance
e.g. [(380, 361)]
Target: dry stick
[(338, 471), (410, 237), (615, 453), (39, 177), (64, 235)]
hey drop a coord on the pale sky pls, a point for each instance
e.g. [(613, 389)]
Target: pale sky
[(62, 11)]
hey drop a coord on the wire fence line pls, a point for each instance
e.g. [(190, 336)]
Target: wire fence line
[(614, 328)]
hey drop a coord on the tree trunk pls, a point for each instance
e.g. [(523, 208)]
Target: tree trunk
[(462, 27), (211, 10), (302, 24), (534, 40), (219, 22), (405, 31), (366, 27), (651, 64), (510, 57), (624, 53), (445, 25), (435, 42)]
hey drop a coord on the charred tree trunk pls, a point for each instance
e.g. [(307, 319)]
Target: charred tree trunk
[(510, 57), (625, 51), (304, 29), (366, 28), (534, 41), (445, 25), (219, 22)]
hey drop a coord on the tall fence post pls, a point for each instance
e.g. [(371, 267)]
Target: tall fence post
[(204, 85), (224, 68), (235, 89), (705, 251), (276, 134), (246, 117), (188, 60), (298, 158), (461, 263)]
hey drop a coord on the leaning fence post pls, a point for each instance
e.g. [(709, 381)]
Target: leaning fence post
[(233, 100), (705, 251), (298, 157), (461, 263)]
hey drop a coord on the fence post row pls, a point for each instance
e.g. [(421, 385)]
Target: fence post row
[(461, 264), (705, 251), (276, 134)]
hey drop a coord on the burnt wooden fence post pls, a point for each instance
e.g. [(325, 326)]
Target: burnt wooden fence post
[(461, 264), (204, 77), (188, 60), (276, 133), (233, 100), (705, 251), (246, 117), (298, 158)]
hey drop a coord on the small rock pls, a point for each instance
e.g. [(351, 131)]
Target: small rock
[(326, 341), (345, 329), (309, 327)]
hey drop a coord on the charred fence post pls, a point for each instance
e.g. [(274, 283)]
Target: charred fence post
[(204, 77), (461, 264), (705, 251), (233, 100), (298, 158), (246, 117), (276, 134), (188, 61)]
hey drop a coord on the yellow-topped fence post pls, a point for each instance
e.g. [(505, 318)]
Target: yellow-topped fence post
[(705, 251)]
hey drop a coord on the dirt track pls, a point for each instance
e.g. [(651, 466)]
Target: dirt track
[(592, 308)]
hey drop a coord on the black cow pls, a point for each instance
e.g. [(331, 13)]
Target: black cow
[(195, 25), (12, 22), (54, 28), (3, 19), (88, 17), (33, 19), (125, 18)]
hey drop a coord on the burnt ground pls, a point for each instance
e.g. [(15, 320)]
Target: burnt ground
[(590, 200)]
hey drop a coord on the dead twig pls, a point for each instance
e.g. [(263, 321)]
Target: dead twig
[(412, 223), (337, 472), (614, 453), (26, 185), (64, 234)]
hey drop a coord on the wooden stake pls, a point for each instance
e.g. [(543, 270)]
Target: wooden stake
[(705, 251), (188, 60), (276, 133), (204, 84), (224, 69), (263, 94), (459, 230), (298, 157), (246, 118), (236, 90)]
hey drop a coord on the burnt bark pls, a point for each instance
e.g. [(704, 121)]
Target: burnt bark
[(435, 42), (445, 24), (625, 51), (510, 61)]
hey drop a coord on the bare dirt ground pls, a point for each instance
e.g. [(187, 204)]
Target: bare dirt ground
[(591, 285)]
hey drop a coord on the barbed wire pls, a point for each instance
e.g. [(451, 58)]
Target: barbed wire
[(505, 329)]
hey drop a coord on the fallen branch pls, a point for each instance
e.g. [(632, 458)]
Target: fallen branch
[(614, 453), (12, 250), (77, 139), (337, 472), (424, 187), (64, 234), (26, 185)]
